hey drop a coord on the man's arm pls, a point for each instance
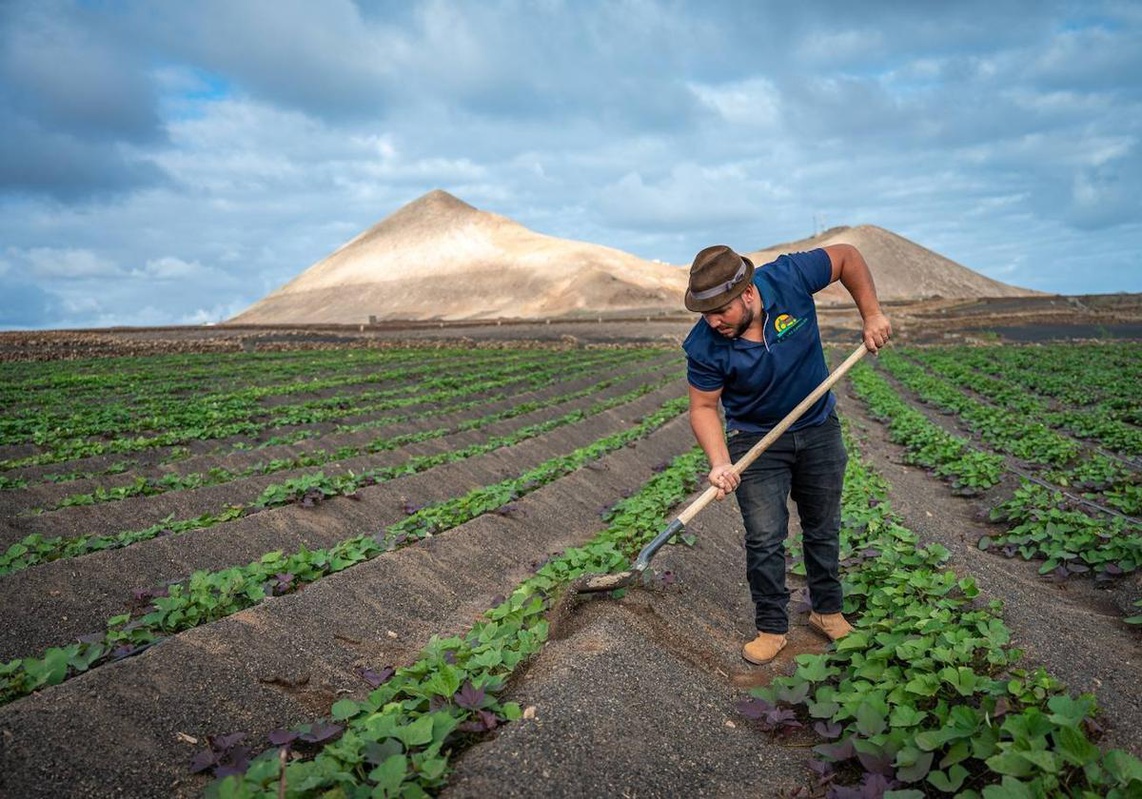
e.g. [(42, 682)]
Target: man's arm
[(707, 427), (850, 268)]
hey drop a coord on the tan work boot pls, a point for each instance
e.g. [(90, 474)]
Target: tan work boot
[(764, 648), (831, 624)]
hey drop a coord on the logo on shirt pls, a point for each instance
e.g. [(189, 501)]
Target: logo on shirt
[(785, 324)]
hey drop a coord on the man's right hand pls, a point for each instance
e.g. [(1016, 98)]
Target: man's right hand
[(725, 479)]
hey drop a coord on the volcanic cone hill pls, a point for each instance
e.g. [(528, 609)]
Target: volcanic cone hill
[(440, 258), (902, 269)]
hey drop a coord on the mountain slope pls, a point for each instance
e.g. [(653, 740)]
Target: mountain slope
[(902, 269), (440, 258)]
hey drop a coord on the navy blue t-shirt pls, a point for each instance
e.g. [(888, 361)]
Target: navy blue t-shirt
[(762, 381)]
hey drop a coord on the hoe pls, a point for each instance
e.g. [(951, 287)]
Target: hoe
[(594, 583)]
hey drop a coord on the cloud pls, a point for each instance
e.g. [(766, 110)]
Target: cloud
[(189, 157), (76, 105), (63, 67), (690, 196), (24, 304), (168, 268), (755, 101), (67, 264)]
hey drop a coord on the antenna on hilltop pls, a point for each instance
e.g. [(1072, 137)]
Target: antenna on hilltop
[(818, 224)]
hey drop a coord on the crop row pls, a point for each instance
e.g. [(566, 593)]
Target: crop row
[(1096, 423), (924, 698), (400, 739), (125, 379), (313, 487), (107, 374), (65, 414), (217, 416), (471, 395), (207, 421), (208, 596), (1077, 375), (1043, 525), (1025, 438), (144, 486)]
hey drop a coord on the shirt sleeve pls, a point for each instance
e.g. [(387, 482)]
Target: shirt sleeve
[(812, 270), (703, 377)]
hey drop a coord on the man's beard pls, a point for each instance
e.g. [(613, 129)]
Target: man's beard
[(742, 326)]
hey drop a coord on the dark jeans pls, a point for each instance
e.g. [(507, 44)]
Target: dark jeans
[(809, 465)]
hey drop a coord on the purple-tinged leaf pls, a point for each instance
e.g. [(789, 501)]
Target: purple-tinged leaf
[(800, 600), (753, 708), (92, 638), (281, 737), (202, 761), (828, 729), (224, 743), (1002, 707), (876, 762), (481, 721), (820, 768), (781, 716), (321, 732), (1093, 729), (436, 702), (237, 765), (375, 678), (844, 792), (874, 786), (836, 752), (470, 697)]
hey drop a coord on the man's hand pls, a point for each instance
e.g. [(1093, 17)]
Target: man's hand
[(725, 479), (877, 331)]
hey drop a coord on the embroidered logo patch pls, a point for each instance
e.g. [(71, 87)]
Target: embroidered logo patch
[(785, 324)]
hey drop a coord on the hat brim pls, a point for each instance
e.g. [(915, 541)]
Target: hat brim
[(709, 304)]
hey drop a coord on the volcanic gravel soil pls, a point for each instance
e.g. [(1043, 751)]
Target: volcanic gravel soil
[(286, 660), (632, 696)]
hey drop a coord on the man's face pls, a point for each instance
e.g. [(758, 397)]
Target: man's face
[(731, 319)]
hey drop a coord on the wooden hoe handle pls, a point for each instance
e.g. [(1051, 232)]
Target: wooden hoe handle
[(761, 446)]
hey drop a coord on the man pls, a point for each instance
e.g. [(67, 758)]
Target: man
[(757, 351)]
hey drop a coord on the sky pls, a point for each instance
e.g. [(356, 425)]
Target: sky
[(169, 163)]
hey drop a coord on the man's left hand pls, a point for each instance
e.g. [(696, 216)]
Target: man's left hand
[(877, 331)]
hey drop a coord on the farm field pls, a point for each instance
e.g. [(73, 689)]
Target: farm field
[(340, 571)]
